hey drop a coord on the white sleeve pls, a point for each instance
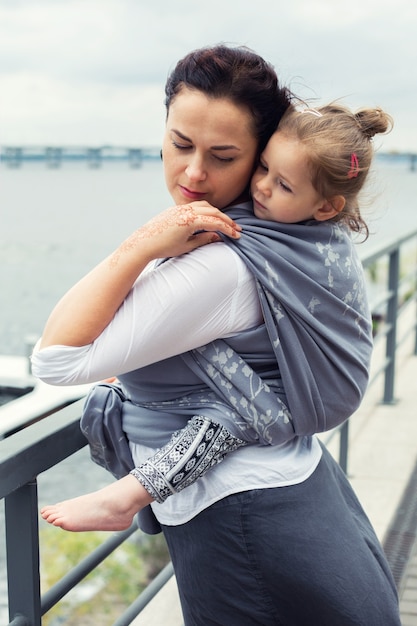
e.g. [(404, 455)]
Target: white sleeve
[(182, 304)]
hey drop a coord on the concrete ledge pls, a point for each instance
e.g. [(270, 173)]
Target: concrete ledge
[(38, 403)]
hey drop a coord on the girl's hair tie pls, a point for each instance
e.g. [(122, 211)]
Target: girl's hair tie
[(312, 112)]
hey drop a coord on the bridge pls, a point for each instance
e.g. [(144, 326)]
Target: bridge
[(54, 156), (93, 156)]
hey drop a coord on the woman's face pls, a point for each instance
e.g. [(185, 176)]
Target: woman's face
[(209, 149)]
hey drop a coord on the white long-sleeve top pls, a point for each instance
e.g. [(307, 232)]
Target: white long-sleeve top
[(182, 304)]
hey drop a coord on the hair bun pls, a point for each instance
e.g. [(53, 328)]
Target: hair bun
[(373, 122)]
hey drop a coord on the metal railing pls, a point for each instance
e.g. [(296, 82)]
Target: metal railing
[(396, 280), (399, 293), (23, 456), (33, 450)]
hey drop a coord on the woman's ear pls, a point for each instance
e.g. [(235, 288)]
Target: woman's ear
[(330, 208)]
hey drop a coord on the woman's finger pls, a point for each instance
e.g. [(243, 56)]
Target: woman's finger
[(203, 216), (204, 208), (215, 223)]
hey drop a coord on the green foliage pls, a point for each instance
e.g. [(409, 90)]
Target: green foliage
[(373, 272), (109, 589), (154, 552)]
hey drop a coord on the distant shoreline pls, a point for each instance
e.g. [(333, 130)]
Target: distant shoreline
[(53, 156)]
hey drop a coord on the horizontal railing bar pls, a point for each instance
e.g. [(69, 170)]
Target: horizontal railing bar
[(382, 332), (410, 277), (20, 620), (370, 256), (386, 328), (382, 299), (404, 306), (146, 596), (23, 457), (406, 334), (80, 571)]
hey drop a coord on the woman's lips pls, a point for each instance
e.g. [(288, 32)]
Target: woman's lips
[(192, 195)]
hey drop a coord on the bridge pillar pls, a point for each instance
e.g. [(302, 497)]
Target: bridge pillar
[(94, 157), (53, 157), (135, 157), (13, 156)]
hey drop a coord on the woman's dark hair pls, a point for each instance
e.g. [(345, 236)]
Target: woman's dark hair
[(238, 74)]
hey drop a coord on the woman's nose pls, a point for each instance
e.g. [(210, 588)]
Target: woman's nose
[(195, 169)]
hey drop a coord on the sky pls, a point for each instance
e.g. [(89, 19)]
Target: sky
[(92, 72)]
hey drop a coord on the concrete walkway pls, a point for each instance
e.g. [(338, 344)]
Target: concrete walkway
[(382, 468), (408, 592)]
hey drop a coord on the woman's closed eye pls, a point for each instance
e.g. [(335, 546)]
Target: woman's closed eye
[(181, 146), (223, 159), (216, 157)]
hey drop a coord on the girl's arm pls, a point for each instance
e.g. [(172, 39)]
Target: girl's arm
[(87, 309)]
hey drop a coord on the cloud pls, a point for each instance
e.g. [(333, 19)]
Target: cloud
[(60, 113), (94, 70)]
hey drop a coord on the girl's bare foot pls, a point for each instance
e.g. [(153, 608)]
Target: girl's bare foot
[(110, 508)]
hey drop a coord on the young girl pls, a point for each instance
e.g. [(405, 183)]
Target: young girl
[(310, 173)]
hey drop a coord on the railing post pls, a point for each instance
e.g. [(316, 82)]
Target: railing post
[(343, 446), (393, 278), (22, 543)]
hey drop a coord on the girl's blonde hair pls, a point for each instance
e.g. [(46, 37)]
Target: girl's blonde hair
[(339, 146)]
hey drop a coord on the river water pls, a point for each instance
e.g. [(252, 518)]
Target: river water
[(57, 223)]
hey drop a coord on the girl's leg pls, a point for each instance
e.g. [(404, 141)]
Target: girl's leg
[(188, 455), (292, 556)]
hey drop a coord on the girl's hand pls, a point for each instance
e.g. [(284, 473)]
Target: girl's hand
[(181, 229)]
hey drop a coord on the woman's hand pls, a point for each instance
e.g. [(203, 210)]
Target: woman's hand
[(180, 229), (86, 309)]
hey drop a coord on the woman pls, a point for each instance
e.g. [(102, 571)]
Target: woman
[(274, 534)]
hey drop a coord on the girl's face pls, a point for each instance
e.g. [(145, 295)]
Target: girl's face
[(209, 149), (281, 187)]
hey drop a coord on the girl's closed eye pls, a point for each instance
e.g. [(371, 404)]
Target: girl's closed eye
[(284, 186)]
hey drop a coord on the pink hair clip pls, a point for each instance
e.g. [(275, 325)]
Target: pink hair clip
[(354, 166)]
